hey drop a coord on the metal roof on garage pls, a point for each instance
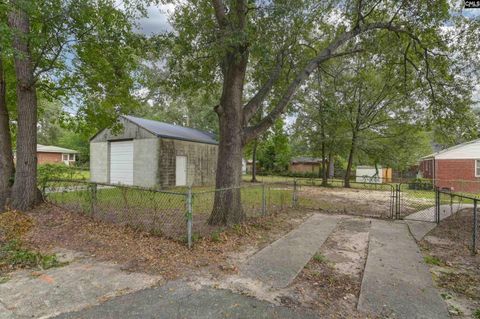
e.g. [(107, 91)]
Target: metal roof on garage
[(166, 130)]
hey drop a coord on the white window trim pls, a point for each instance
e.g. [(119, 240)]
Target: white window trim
[(477, 167), (63, 157)]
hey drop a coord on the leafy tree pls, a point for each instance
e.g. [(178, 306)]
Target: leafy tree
[(274, 152), (81, 49), (216, 43)]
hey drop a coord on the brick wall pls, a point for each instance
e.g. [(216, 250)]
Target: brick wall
[(426, 168), (457, 174), (49, 158)]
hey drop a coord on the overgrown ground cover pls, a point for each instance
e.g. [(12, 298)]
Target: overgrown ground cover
[(455, 270), (14, 253)]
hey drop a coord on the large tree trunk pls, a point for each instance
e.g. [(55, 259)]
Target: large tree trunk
[(24, 190), (227, 208), (6, 155), (254, 161), (353, 148)]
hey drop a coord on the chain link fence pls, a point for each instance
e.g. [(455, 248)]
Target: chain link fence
[(181, 215), (457, 215), (184, 214), (158, 212), (361, 199)]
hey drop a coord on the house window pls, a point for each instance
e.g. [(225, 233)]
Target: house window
[(477, 168), (72, 157), (65, 157)]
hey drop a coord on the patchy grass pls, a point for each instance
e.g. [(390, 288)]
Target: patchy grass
[(462, 283), (13, 255), (431, 260), (476, 314), (318, 257), (458, 274)]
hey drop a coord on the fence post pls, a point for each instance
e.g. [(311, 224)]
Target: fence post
[(264, 200), (397, 201), (294, 195), (475, 226), (93, 199), (189, 216), (437, 204)]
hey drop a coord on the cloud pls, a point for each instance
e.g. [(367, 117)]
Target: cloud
[(156, 21)]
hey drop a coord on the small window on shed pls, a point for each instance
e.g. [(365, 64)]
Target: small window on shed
[(72, 157), (477, 168), (65, 157)]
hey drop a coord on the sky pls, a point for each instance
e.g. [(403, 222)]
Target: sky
[(157, 20)]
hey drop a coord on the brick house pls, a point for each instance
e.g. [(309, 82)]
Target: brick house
[(456, 168), (149, 153), (305, 165), (49, 154)]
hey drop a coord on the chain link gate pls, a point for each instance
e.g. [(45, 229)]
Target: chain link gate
[(415, 201)]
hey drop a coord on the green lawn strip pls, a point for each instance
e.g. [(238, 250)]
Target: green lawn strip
[(140, 201)]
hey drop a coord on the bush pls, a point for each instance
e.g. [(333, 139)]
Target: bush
[(46, 172), (421, 184)]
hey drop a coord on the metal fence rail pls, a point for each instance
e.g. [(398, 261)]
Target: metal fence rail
[(174, 214), (184, 214), (460, 213)]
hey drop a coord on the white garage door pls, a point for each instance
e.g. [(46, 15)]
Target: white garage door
[(121, 162), (181, 171)]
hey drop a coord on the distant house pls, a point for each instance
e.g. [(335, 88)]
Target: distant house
[(153, 154), (304, 165), (249, 167), (49, 154), (372, 174), (456, 168)]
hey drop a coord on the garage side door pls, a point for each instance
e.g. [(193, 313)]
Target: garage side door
[(121, 162), (181, 171)]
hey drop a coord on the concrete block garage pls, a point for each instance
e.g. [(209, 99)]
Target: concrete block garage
[(149, 153)]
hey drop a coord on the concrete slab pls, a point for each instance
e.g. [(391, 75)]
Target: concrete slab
[(396, 282), (41, 294), (280, 262), (428, 214), (179, 300), (419, 229)]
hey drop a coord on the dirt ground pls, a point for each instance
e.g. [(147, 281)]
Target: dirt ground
[(456, 271), (330, 282), (140, 251), (371, 203)]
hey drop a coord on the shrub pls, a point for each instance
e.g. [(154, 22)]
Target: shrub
[(46, 172), (421, 184)]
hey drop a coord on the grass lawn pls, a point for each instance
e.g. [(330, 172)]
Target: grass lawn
[(79, 198)]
